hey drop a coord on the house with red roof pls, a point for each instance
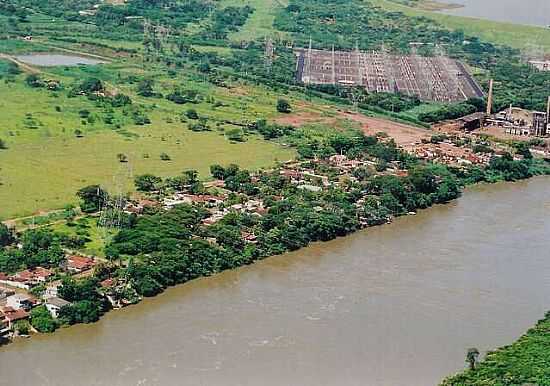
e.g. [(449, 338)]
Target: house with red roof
[(77, 264), (34, 276), (9, 315)]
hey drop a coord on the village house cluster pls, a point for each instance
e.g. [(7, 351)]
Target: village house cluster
[(16, 300)]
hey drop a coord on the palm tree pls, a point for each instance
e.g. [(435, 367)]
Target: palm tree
[(471, 357)]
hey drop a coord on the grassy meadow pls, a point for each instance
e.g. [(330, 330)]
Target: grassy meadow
[(46, 163)]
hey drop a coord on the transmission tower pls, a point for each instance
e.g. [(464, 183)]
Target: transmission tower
[(269, 54), (111, 207)]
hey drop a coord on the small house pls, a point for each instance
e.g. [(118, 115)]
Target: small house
[(77, 264), (53, 305), (20, 301), (9, 316)]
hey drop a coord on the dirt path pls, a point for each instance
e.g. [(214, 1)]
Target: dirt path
[(403, 134), (25, 67), (71, 51)]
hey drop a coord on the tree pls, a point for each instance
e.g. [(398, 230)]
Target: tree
[(120, 100), (3, 145), (91, 198), (145, 88), (471, 357), (33, 80), (122, 157), (165, 157), (13, 69), (283, 106), (42, 320), (235, 135), (91, 85), (217, 171), (147, 182), (6, 235), (190, 177), (84, 311), (192, 114)]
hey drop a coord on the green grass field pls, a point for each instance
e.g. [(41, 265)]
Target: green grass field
[(45, 162), (260, 23)]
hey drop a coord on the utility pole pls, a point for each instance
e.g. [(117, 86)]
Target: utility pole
[(490, 98)]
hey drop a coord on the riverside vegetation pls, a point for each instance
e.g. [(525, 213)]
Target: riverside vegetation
[(206, 86)]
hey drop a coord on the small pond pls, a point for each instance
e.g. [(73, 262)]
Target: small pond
[(50, 60)]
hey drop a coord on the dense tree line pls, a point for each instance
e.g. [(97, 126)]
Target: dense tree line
[(37, 248), (453, 111)]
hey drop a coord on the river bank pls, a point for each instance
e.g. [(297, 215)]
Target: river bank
[(445, 260), (527, 12), (526, 361), (428, 5), (516, 35)]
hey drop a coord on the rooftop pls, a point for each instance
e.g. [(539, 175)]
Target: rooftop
[(58, 302)]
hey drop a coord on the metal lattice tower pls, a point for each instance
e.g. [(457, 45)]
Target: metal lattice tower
[(111, 207), (269, 54), (423, 83)]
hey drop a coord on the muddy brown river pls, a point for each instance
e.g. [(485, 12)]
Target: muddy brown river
[(396, 305)]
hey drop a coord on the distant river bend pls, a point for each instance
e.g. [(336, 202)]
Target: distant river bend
[(529, 12), (393, 305)]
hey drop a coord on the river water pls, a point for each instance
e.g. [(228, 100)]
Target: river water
[(396, 305), (531, 12)]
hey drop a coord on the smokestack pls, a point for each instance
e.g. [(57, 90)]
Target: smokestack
[(490, 98)]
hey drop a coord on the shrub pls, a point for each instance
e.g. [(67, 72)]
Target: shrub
[(283, 106), (192, 114)]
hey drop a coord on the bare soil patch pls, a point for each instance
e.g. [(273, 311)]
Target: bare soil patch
[(403, 134)]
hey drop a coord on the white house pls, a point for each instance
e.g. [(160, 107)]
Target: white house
[(19, 301), (54, 305)]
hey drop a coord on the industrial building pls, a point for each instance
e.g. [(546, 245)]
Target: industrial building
[(436, 78), (541, 65), (517, 121)]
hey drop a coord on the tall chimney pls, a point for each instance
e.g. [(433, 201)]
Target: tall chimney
[(490, 98)]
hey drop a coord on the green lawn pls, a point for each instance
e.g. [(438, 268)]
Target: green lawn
[(44, 173), (514, 35), (260, 23), (98, 236), (45, 163)]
